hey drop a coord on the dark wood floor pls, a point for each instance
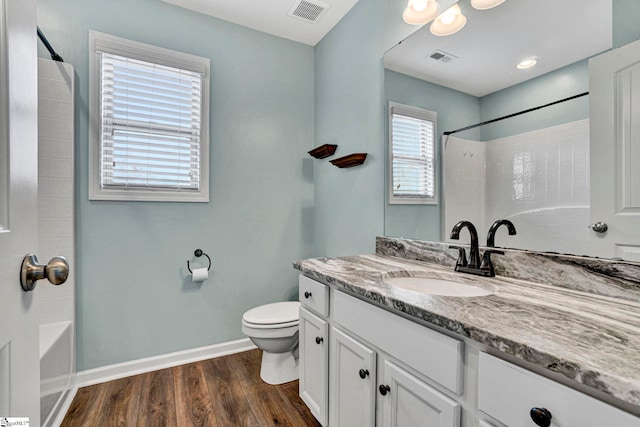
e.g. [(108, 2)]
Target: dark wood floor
[(226, 391)]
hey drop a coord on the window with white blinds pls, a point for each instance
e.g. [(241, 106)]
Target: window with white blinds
[(412, 177), (152, 134)]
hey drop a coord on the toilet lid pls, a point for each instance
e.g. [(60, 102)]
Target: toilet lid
[(273, 314)]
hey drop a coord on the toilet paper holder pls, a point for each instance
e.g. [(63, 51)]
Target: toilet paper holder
[(198, 253)]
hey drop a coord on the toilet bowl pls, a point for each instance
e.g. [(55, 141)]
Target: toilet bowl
[(273, 328)]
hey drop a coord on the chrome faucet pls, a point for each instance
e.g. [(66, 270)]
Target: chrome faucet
[(491, 236)]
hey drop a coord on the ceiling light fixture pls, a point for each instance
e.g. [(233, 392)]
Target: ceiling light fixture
[(486, 4), (449, 22), (419, 12), (527, 63)]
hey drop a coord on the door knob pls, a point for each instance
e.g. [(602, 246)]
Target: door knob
[(56, 271), (599, 227)]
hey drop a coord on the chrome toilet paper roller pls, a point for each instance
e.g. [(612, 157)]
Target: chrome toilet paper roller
[(199, 274)]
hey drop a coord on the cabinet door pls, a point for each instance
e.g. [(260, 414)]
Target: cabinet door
[(353, 382), (409, 402), (314, 364)]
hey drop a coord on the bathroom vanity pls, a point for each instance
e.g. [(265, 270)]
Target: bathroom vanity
[(564, 354)]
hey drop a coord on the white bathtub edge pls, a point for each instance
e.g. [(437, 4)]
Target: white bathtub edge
[(50, 333), (63, 408), (154, 363)]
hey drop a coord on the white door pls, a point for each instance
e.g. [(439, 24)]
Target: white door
[(314, 364), (19, 355), (353, 382), (614, 99), (406, 401)]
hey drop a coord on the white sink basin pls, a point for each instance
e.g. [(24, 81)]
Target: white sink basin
[(443, 287)]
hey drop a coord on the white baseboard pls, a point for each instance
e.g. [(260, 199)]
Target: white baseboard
[(148, 364)]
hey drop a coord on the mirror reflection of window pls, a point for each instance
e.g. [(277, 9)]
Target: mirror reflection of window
[(412, 155)]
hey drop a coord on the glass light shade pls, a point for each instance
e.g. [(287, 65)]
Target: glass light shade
[(486, 4), (420, 5), (420, 13), (449, 22)]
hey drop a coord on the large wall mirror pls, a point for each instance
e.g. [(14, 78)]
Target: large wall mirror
[(535, 168)]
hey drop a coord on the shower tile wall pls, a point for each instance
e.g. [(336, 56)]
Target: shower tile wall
[(55, 185), (539, 180), (465, 176)]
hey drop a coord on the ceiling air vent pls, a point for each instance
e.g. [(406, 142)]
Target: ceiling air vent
[(442, 56), (310, 11)]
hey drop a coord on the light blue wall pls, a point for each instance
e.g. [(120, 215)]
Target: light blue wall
[(455, 110), (626, 15), (349, 105), (134, 299), (565, 82)]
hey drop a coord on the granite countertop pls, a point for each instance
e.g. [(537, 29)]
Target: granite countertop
[(590, 338)]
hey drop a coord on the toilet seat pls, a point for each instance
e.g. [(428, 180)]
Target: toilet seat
[(271, 326), (272, 316)]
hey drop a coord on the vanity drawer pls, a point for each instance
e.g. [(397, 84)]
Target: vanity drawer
[(508, 393), (433, 354), (314, 295)]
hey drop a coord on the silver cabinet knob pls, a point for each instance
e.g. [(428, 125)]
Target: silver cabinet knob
[(599, 227), (56, 271)]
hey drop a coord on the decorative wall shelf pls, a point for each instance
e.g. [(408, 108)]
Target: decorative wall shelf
[(350, 161), (323, 151)]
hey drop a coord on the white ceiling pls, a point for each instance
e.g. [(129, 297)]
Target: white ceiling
[(489, 47), (271, 16)]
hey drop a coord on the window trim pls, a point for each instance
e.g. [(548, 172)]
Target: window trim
[(100, 42), (422, 114)]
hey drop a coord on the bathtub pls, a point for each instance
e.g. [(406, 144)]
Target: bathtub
[(56, 369)]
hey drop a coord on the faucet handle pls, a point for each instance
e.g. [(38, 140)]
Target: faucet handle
[(486, 264), (462, 256), (488, 252)]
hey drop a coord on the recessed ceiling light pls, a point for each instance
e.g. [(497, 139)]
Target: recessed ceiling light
[(527, 63)]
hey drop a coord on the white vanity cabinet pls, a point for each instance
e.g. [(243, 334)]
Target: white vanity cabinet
[(314, 347), (379, 365), (362, 365), (398, 397), (508, 393)]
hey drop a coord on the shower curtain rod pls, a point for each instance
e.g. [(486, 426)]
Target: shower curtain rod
[(516, 114), (44, 41)]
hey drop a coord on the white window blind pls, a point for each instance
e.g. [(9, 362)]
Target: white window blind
[(151, 125), (412, 165)]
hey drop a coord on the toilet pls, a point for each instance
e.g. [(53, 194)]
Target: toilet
[(273, 328)]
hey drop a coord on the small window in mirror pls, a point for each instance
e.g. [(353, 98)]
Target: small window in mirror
[(412, 174)]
